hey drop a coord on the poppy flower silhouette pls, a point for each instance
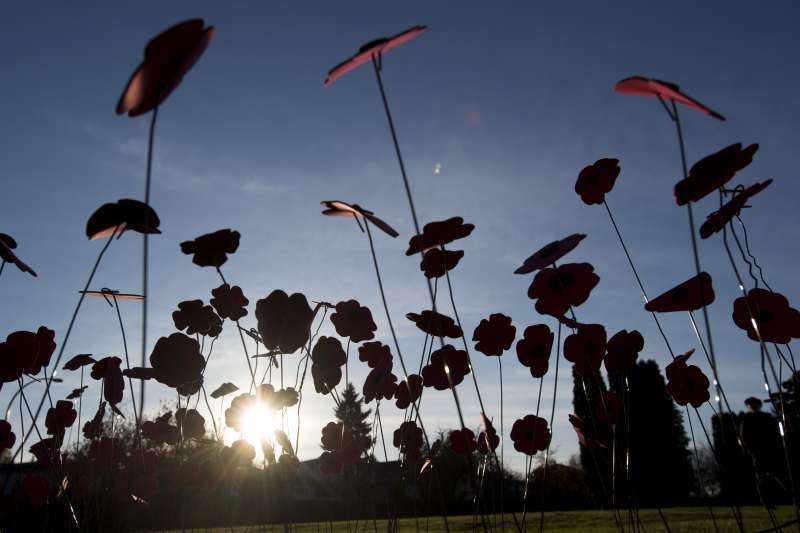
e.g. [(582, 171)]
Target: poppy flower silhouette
[(687, 383), (373, 353), (161, 431), (36, 489), (194, 317), (139, 372), (121, 216), (380, 382), (337, 208), (488, 439), (327, 359), (191, 423), (609, 409), (462, 441), (212, 249), (7, 437), (46, 452), (446, 361), (495, 335), (26, 352), (550, 253), (77, 393), (354, 321), (167, 59), (408, 391), (59, 418), (229, 302), (94, 427), (642, 86), (234, 414), (719, 218), (556, 290), (622, 351), (585, 349), (439, 233), (373, 49), (108, 370), (7, 244), (768, 311), (690, 295), (284, 322), (177, 360), (435, 324), (585, 433), (239, 453), (224, 390), (408, 439), (712, 172), (597, 180), (533, 349), (341, 447), (437, 262), (530, 434)]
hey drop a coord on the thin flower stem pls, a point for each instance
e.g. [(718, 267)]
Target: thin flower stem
[(552, 416), (244, 344), (145, 247), (128, 366), (2, 266), (210, 412), (66, 337)]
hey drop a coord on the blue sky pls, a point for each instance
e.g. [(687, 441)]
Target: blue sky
[(511, 102)]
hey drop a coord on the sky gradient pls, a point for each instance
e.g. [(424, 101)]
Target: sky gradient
[(508, 103)]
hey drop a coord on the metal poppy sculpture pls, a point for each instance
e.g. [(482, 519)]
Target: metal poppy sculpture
[(7, 245)]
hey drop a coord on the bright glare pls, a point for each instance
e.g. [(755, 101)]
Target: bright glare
[(257, 425)]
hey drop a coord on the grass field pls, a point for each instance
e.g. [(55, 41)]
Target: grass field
[(682, 519)]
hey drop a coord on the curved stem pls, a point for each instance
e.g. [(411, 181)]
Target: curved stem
[(66, 337), (552, 415)]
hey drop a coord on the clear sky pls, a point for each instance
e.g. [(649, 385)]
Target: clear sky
[(509, 102)]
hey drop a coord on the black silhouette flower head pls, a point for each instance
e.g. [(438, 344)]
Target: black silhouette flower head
[(59, 418), (161, 431), (435, 324), (177, 360), (327, 359), (337, 208), (719, 218), (373, 49), (530, 434), (642, 86), (25, 352), (533, 349), (284, 322), (194, 317), (212, 249), (408, 438), (550, 253), (494, 336), (108, 369), (462, 441), (167, 59), (408, 391), (354, 321), (768, 315), (380, 382), (690, 295), (437, 262), (597, 180), (224, 390), (712, 172), (7, 244), (556, 290), (488, 439), (121, 216), (191, 423), (446, 361), (230, 302), (586, 435), (586, 348), (373, 353), (687, 383), (7, 437), (439, 233), (608, 407), (622, 351)]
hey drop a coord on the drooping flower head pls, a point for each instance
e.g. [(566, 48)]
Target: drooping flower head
[(597, 180), (488, 439), (337, 208), (435, 324), (687, 383), (495, 335), (327, 359), (665, 90), (550, 253), (380, 382), (719, 218), (586, 435), (437, 262), (167, 59), (7, 245), (284, 322), (408, 391), (712, 172), (690, 295), (121, 216), (776, 321), (533, 349), (435, 234), (108, 370)]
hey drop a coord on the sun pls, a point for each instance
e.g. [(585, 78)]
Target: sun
[(257, 426)]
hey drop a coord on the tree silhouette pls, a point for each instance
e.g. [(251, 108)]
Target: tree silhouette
[(351, 413), (596, 463), (660, 461)]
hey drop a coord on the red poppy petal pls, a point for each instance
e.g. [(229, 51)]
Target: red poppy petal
[(690, 295)]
